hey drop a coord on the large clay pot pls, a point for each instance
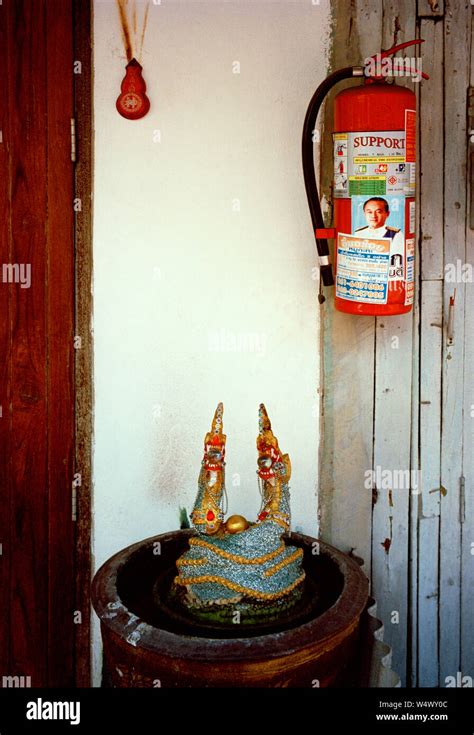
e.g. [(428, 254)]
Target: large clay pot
[(142, 651)]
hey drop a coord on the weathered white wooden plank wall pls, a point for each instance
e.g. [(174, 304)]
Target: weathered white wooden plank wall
[(430, 234), (467, 530), (415, 497), (456, 69), (430, 463), (393, 388), (393, 371)]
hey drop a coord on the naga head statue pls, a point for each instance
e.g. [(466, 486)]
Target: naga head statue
[(214, 444), (272, 464), (235, 564), (207, 516)]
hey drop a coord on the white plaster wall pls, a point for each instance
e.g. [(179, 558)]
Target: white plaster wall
[(175, 264)]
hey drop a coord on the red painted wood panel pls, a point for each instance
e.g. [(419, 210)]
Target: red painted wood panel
[(36, 343), (29, 496), (5, 356), (60, 336)]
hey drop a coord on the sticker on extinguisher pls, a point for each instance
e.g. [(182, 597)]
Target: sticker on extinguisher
[(373, 163), (410, 279), (362, 268), (379, 218), (340, 164)]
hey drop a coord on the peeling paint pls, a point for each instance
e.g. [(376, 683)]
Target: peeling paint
[(396, 29), (110, 615), (113, 607), (132, 619), (134, 637)]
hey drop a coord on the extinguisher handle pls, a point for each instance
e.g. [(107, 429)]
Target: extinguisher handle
[(391, 51)]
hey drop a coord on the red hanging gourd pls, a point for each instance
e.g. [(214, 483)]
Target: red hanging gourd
[(132, 102)]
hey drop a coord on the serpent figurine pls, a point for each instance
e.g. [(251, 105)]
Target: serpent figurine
[(233, 565)]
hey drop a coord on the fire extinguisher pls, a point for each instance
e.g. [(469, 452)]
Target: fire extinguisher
[(374, 190)]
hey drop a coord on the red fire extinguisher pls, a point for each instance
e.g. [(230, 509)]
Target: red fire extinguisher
[(374, 190)]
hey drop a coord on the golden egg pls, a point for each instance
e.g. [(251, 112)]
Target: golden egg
[(236, 524)]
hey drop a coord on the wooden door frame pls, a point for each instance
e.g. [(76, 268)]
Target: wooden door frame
[(45, 392), (83, 104)]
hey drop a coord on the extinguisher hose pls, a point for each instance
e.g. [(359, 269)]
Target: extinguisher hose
[(308, 164)]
